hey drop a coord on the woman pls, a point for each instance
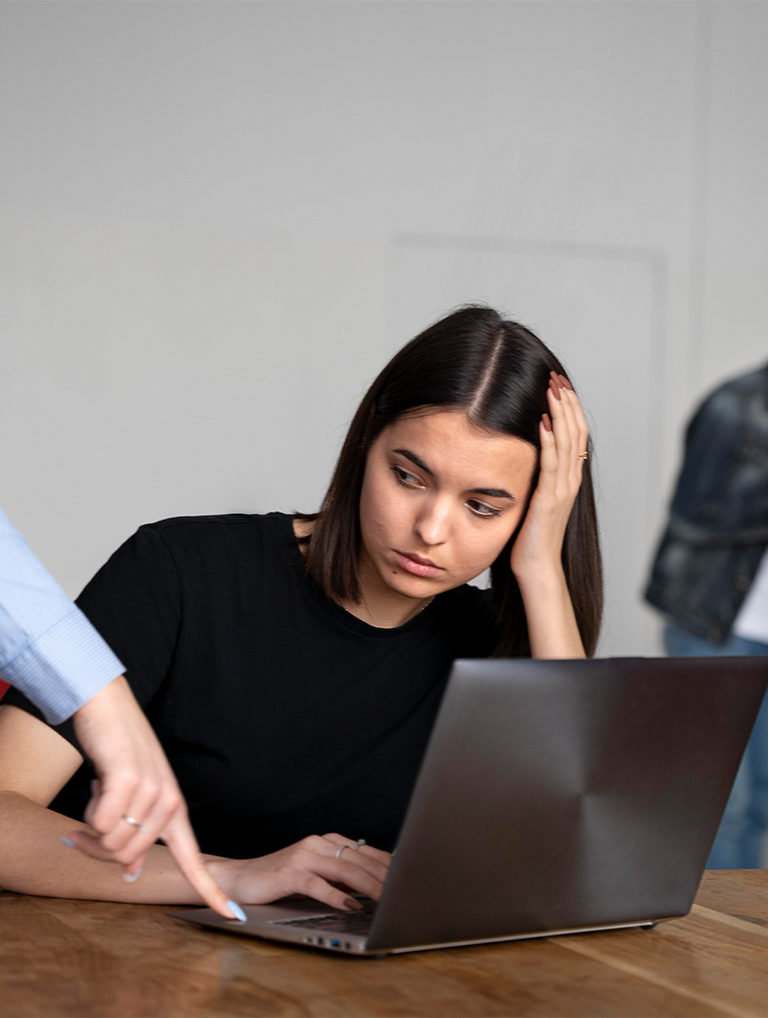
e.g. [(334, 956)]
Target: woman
[(292, 667)]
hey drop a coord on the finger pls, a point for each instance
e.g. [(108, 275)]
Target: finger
[(573, 430), (151, 807), (150, 829), (369, 850), (579, 412), (181, 842), (350, 875), (326, 848), (566, 393), (315, 887), (373, 867), (570, 465), (560, 427), (576, 461), (155, 801), (94, 802), (135, 866), (91, 845), (100, 814), (111, 802), (548, 456)]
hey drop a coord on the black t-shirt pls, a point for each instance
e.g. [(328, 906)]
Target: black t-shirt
[(281, 714)]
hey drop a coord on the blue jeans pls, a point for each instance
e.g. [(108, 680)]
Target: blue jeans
[(740, 840)]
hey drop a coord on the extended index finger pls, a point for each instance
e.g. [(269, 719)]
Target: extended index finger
[(182, 844)]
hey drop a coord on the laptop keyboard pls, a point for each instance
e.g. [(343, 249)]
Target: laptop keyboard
[(349, 922)]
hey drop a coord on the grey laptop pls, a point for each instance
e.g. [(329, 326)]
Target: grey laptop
[(554, 797)]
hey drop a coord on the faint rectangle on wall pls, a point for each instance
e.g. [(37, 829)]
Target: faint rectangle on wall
[(601, 309)]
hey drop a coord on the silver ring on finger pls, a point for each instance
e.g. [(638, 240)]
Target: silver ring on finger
[(360, 841), (339, 850), (133, 823)]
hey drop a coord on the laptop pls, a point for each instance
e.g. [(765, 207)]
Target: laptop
[(554, 797)]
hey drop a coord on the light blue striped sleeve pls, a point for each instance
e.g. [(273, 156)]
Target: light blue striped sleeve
[(48, 649)]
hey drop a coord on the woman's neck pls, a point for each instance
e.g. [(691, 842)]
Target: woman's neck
[(378, 605)]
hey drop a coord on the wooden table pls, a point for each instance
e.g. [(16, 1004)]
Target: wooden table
[(60, 957)]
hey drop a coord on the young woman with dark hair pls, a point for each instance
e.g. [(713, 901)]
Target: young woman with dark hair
[(292, 666)]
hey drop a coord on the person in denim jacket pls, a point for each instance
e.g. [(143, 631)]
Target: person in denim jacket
[(710, 576)]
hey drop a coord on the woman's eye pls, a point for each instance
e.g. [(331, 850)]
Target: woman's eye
[(481, 509), (405, 478)]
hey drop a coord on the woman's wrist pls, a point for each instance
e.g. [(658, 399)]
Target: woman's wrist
[(541, 574)]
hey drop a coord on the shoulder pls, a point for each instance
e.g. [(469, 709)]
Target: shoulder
[(214, 532), (178, 548), (213, 526), (734, 398)]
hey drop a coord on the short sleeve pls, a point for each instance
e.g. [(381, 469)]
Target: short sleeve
[(134, 603), (48, 648)]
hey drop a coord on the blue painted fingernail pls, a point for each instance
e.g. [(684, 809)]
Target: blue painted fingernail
[(236, 911), (68, 842), (130, 877)]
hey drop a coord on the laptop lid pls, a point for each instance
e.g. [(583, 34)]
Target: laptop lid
[(567, 794)]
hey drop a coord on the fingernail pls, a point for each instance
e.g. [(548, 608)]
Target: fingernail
[(546, 422), (130, 877), (68, 842), (353, 904), (555, 390), (236, 911), (566, 384)]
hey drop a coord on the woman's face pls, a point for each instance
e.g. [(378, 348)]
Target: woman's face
[(440, 499)]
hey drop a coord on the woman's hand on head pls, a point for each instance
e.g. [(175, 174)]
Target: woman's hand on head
[(309, 867), (563, 434)]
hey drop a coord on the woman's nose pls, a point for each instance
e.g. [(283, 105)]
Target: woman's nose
[(433, 524)]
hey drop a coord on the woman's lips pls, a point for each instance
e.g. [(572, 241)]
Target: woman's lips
[(416, 566)]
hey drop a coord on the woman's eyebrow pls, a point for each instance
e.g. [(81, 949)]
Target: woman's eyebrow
[(490, 492), (415, 459)]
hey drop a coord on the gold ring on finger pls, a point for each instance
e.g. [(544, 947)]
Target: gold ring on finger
[(583, 455)]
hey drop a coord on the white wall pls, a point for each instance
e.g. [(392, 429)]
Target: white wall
[(218, 219)]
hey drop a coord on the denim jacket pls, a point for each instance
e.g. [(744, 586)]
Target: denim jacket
[(718, 520)]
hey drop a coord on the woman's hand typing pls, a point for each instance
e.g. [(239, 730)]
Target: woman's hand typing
[(309, 867)]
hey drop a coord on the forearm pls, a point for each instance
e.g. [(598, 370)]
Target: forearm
[(552, 628), (34, 861)]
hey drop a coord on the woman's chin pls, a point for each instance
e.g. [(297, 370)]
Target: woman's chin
[(415, 587)]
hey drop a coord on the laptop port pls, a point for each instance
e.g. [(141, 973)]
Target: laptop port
[(319, 940), (335, 943), (348, 946)]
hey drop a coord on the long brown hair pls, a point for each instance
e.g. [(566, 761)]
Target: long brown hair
[(497, 371)]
